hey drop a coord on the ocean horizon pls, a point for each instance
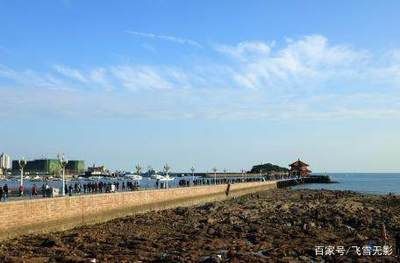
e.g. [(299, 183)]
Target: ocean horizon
[(367, 183)]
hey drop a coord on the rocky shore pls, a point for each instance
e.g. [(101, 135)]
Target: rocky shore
[(273, 226)]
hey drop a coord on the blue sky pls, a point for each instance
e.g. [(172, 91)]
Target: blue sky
[(202, 83)]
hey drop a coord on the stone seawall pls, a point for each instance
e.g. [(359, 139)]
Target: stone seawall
[(55, 214)]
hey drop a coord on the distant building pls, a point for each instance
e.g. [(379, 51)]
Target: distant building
[(5, 162), (49, 167), (39, 167), (300, 169), (97, 171), (75, 167)]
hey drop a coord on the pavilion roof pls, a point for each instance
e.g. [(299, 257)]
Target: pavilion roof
[(298, 163)]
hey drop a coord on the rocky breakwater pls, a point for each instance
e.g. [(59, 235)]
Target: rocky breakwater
[(273, 226), (313, 179)]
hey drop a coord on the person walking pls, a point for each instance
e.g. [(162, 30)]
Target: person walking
[(43, 190), (48, 191), (34, 191), (5, 192), (1, 193), (70, 190), (21, 190), (228, 188)]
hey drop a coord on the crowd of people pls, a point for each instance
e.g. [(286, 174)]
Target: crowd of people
[(99, 187), (70, 189), (79, 187)]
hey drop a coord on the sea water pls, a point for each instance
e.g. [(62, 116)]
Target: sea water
[(370, 183)]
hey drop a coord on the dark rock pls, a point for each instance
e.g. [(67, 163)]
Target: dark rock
[(181, 211), (48, 243), (211, 231)]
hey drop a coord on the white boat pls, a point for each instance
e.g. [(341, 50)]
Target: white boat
[(156, 176), (135, 177), (166, 178), (160, 177)]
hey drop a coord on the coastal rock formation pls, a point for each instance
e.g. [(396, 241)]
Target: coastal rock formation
[(280, 225)]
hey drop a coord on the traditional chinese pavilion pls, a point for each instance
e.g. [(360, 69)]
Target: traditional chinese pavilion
[(299, 168)]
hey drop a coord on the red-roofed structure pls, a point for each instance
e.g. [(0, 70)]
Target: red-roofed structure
[(299, 168)]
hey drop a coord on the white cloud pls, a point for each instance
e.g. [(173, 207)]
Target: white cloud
[(394, 55), (139, 78), (245, 50), (70, 73), (8, 73), (31, 78), (183, 41), (149, 77), (315, 50), (310, 59), (305, 78)]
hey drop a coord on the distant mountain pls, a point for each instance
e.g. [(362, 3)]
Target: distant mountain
[(268, 167)]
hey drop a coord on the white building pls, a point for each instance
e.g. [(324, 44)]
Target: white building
[(5, 161)]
